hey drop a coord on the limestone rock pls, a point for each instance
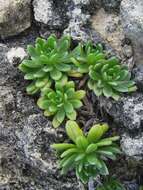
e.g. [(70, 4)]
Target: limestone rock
[(111, 5), (51, 13), (17, 53), (127, 112), (15, 17), (138, 76), (27, 161), (132, 21), (132, 147)]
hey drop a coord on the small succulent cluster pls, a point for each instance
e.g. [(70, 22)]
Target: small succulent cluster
[(106, 75), (87, 153), (110, 78), (54, 60), (112, 184), (49, 61), (61, 102)]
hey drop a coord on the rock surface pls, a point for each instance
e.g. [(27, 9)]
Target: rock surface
[(51, 13), (27, 161), (111, 5), (138, 76), (15, 17), (132, 21), (128, 112), (132, 147)]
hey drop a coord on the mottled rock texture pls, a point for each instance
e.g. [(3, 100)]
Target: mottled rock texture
[(111, 5), (132, 21), (128, 112), (26, 159), (138, 76), (133, 147), (15, 17), (51, 13)]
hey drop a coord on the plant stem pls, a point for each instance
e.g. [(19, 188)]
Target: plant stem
[(91, 184)]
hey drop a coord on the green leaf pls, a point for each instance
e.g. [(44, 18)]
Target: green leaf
[(104, 169), (72, 115), (31, 50), (31, 88), (63, 80), (51, 41), (93, 160), (31, 64), (91, 148), (96, 132), (107, 91), (69, 152), (39, 74), (97, 91), (60, 115), (73, 130), (69, 161), (47, 68), (47, 113), (63, 67), (43, 104), (79, 94), (29, 76), (80, 157), (41, 82), (55, 122), (82, 142), (115, 138), (62, 146), (104, 143), (53, 108), (81, 175), (68, 107), (55, 74), (76, 103)]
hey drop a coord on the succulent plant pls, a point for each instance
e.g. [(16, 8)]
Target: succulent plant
[(61, 102), (82, 56), (49, 60), (111, 183), (110, 78), (87, 153)]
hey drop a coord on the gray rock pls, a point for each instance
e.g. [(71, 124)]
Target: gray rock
[(15, 17), (138, 76), (51, 13), (131, 185), (27, 161), (132, 147), (132, 21), (111, 5), (128, 112), (77, 20), (127, 50)]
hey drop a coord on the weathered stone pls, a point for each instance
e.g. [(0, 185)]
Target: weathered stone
[(131, 185), (132, 21), (15, 55), (26, 159), (51, 13), (128, 112), (111, 5), (109, 28), (15, 17), (138, 76), (132, 147)]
